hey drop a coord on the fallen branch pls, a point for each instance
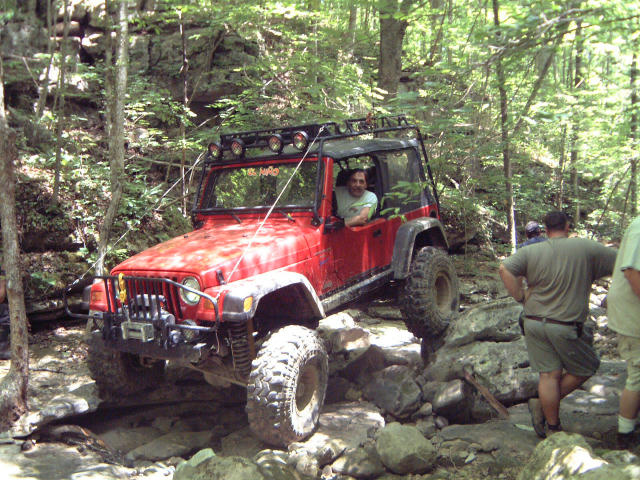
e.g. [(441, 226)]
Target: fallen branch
[(484, 391)]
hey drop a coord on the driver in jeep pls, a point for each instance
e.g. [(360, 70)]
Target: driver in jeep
[(356, 204)]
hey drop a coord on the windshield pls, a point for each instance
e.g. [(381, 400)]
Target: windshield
[(260, 185)]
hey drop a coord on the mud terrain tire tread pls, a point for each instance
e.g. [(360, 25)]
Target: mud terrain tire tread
[(430, 297), (119, 373), (291, 359)]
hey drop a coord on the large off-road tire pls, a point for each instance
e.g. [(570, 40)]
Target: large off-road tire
[(287, 385), (119, 373), (429, 298)]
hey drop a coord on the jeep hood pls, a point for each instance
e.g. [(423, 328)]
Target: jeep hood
[(278, 244)]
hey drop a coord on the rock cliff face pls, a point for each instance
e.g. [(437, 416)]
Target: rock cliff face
[(216, 55)]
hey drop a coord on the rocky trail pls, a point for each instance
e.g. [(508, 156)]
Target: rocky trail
[(394, 409)]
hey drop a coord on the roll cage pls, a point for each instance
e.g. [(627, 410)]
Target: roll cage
[(255, 147)]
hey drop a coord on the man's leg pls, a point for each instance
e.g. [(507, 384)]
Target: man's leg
[(629, 404), (550, 394), (629, 349)]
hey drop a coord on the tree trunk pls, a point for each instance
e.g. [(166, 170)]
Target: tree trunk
[(61, 106), (504, 119), (185, 105), (392, 32), (560, 174), (634, 134), (116, 137), (43, 91), (577, 83), (13, 388), (353, 23)]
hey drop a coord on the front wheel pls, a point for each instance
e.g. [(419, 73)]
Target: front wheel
[(430, 298), (287, 384), (120, 373)]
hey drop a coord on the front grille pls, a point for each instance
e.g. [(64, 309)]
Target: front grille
[(147, 298)]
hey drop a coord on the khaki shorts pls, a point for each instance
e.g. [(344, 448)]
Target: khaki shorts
[(557, 347), (629, 350)]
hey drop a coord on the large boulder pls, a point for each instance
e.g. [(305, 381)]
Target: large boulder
[(395, 391), (486, 342), (404, 450), (568, 456)]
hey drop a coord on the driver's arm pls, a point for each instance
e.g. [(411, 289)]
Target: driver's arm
[(359, 219)]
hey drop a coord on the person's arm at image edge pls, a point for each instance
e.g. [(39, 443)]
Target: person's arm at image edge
[(633, 277), (512, 283)]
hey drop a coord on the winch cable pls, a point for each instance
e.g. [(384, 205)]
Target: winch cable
[(246, 249), (139, 219)]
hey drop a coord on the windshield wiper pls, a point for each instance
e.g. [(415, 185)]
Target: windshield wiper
[(236, 217)]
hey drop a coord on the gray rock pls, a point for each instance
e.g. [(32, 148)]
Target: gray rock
[(273, 465), (427, 426), (395, 391), (220, 468), (241, 443), (169, 445), (568, 456), (454, 400), (189, 467), (385, 311), (359, 463), (358, 369), (404, 450), (495, 321), (341, 427), (502, 367), (348, 339)]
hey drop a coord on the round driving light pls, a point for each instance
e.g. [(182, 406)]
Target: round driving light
[(215, 150), (188, 297), (275, 143), (300, 140), (237, 147)]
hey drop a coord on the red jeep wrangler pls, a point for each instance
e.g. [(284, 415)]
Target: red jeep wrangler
[(238, 298)]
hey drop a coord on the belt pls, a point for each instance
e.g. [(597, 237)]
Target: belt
[(551, 320)]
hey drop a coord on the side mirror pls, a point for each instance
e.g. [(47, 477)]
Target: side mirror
[(331, 224)]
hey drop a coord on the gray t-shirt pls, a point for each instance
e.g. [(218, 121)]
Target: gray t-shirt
[(350, 206), (623, 306), (559, 275)]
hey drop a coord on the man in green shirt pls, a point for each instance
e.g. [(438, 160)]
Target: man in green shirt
[(559, 274), (623, 310)]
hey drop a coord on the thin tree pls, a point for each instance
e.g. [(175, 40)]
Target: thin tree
[(61, 103), (504, 134), (393, 27), (573, 157), (633, 134), (13, 388), (116, 129)]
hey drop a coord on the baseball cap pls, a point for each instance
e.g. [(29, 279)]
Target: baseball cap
[(532, 227)]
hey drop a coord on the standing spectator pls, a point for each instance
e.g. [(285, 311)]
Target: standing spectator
[(5, 351), (533, 231), (559, 274), (623, 310)]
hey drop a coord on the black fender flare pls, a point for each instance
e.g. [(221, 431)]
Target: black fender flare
[(412, 235), (264, 284)]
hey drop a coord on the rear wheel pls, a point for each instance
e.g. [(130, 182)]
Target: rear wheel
[(287, 385), (119, 373), (430, 298)]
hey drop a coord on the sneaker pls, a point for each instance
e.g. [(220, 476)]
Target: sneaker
[(537, 417), (624, 441)]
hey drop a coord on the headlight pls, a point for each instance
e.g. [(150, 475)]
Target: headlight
[(188, 297)]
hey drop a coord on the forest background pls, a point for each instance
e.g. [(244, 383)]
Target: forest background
[(526, 106)]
